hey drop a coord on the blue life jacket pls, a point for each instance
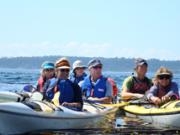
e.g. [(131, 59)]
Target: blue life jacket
[(94, 90), (76, 79), (64, 86), (66, 91)]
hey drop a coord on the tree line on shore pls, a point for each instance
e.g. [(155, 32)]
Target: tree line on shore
[(109, 64)]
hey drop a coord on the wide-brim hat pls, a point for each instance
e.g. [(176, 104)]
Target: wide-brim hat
[(78, 64), (163, 71)]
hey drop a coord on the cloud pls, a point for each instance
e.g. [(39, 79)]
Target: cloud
[(84, 49)]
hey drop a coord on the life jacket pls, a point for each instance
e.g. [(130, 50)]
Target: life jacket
[(65, 87), (66, 91), (98, 89), (140, 86), (75, 79), (40, 85), (114, 86)]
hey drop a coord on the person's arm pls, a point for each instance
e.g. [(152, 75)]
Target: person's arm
[(49, 88), (173, 90), (125, 93), (152, 95), (173, 93)]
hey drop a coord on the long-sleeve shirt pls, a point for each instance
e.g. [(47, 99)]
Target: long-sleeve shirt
[(159, 91)]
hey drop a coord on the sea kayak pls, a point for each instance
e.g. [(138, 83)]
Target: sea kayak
[(29, 116), (167, 115)]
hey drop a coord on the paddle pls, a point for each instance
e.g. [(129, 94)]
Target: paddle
[(135, 101), (94, 104)]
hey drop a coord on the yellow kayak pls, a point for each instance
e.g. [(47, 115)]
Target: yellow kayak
[(168, 114)]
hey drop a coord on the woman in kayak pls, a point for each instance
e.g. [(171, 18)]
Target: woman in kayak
[(164, 89), (134, 87), (78, 74), (69, 92), (47, 73)]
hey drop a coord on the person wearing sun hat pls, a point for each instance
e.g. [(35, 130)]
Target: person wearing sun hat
[(95, 86), (78, 73), (136, 85), (47, 72), (70, 94), (164, 89)]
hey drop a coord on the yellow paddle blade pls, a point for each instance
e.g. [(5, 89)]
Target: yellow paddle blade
[(55, 100)]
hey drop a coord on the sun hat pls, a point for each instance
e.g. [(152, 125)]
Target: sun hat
[(163, 71), (62, 63), (78, 64), (94, 62), (47, 65)]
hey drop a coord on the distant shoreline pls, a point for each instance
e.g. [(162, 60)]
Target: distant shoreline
[(109, 64)]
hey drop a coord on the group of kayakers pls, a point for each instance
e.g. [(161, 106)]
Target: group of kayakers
[(158, 91), (74, 87)]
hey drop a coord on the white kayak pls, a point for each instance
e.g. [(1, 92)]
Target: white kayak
[(30, 116), (8, 96)]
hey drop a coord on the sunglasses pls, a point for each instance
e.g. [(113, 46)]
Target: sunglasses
[(49, 70), (64, 70), (97, 67), (161, 77)]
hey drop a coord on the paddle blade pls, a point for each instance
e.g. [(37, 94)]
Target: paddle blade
[(55, 100)]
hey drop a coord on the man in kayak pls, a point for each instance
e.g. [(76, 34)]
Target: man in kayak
[(69, 93), (78, 74), (164, 89), (47, 73), (95, 86), (134, 87)]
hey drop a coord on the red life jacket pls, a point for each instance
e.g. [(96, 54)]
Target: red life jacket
[(114, 86), (140, 86), (40, 85)]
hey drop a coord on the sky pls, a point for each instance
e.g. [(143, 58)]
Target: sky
[(90, 28)]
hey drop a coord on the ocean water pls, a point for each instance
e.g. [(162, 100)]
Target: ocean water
[(16, 79)]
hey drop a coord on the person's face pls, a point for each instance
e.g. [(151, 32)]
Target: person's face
[(141, 70), (62, 73), (79, 71), (48, 73), (164, 80), (96, 71)]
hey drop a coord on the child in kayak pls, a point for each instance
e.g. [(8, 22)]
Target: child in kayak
[(134, 87), (164, 89)]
